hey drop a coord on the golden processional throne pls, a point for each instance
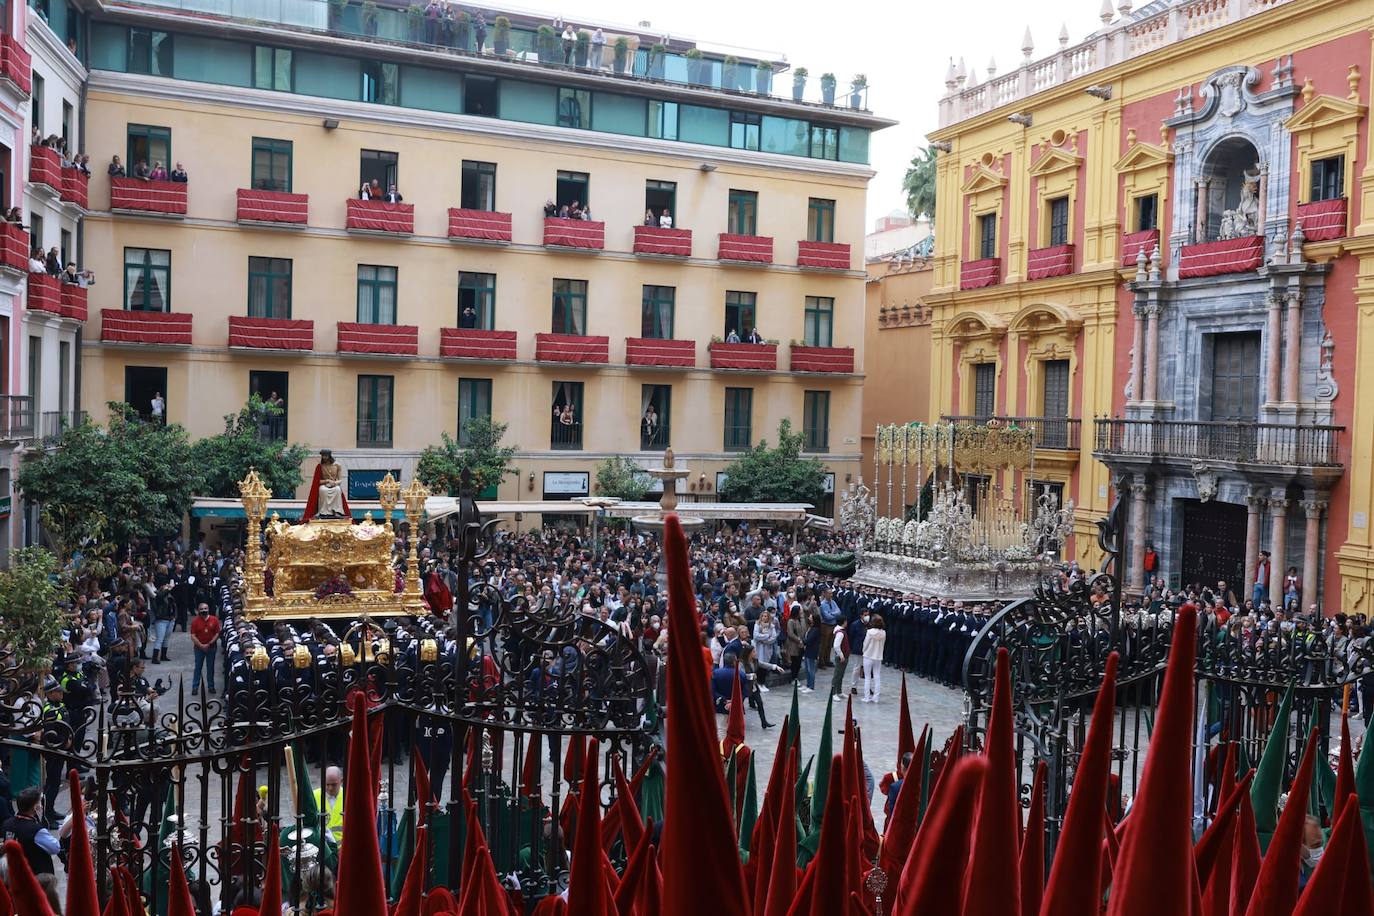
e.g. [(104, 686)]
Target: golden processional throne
[(330, 567)]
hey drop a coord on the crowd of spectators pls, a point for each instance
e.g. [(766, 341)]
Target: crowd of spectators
[(144, 172)]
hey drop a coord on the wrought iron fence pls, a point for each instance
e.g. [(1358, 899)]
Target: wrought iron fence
[(491, 700), (56, 422), (565, 435), (1242, 442), (16, 417), (1059, 641)]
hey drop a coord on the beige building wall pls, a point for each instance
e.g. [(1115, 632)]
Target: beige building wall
[(210, 251), (896, 349)]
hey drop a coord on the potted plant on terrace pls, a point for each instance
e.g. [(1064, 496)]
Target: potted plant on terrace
[(856, 88), (415, 21), (828, 88), (464, 30), (656, 55), (730, 73), (763, 77), (370, 16), (500, 36), (547, 45), (581, 47), (695, 67), (622, 53), (799, 76), (336, 13)]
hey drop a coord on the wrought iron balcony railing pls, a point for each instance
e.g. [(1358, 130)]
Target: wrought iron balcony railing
[(565, 436), (55, 422), (16, 417), (1059, 433), (1238, 441)]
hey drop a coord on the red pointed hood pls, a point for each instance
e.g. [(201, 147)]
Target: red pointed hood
[(698, 828), (586, 883), (529, 774), (179, 900), (271, 885), (1033, 848), (82, 898), (1276, 890), (830, 854), (758, 869), (413, 888), (906, 736), (624, 811), (782, 872), (1245, 856), (361, 888), (28, 898), (1341, 881), (632, 878), (901, 826), (992, 879), (926, 887), (1075, 879), (1154, 873), (1217, 836)]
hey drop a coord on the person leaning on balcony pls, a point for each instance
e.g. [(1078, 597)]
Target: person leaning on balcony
[(141, 170), (179, 174), (598, 59), (71, 275), (666, 220), (649, 219), (755, 337), (732, 336), (392, 195), (159, 172), (569, 41), (37, 265), (468, 319), (116, 168), (14, 216), (479, 31), (53, 264), (83, 162)]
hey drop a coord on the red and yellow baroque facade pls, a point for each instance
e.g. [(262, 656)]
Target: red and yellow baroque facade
[(1157, 248)]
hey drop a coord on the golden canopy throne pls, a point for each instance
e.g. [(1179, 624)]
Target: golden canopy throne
[(330, 567)]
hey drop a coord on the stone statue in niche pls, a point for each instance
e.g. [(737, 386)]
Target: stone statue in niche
[(1244, 219)]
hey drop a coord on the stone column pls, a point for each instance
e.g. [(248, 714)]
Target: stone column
[(1135, 576), (1278, 547), (1292, 354), (1200, 225), (1254, 508), (1311, 562), (1152, 351), (1271, 349), (1138, 353)]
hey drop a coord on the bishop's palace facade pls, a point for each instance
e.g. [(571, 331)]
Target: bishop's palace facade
[(1156, 247)]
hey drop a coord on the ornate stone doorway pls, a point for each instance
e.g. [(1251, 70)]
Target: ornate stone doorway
[(1213, 544)]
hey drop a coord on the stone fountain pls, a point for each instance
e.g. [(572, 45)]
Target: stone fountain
[(669, 474)]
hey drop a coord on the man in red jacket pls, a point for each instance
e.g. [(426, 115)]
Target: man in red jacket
[(205, 636)]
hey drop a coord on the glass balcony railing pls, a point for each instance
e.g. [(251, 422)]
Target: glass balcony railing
[(522, 43)]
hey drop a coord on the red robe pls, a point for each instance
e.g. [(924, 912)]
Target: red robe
[(312, 498)]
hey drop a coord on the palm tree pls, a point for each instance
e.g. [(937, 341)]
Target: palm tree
[(919, 183)]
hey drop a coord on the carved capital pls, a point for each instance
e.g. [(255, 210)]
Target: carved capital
[(1313, 507), (1273, 299), (1139, 491), (1293, 296), (1153, 309), (1255, 504), (1278, 505)]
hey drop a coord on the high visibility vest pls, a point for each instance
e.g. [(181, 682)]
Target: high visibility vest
[(333, 811)]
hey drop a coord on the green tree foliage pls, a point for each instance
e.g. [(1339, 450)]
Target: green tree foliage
[(620, 478), (224, 459), (30, 591), (441, 466), (919, 183), (775, 475), (128, 480)]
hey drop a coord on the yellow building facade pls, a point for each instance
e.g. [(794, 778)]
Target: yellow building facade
[(1151, 246), (371, 351)]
